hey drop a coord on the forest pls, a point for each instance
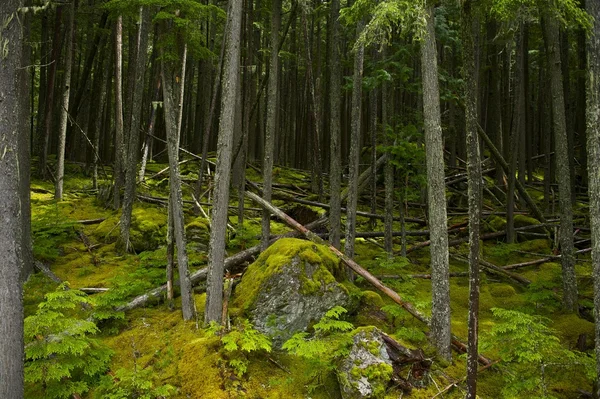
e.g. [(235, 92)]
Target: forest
[(299, 199)]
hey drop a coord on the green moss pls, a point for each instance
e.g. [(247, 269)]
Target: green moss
[(495, 223), (371, 298), (378, 375), (570, 327), (503, 291), (148, 228), (276, 256)]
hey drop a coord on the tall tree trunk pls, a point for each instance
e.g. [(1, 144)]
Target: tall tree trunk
[(14, 203), (335, 103), (64, 112), (436, 192), (551, 29), (593, 147), (118, 172), (271, 129), (517, 132), (134, 127), (56, 46), (168, 76), (216, 246), (474, 192), (41, 110), (354, 157)]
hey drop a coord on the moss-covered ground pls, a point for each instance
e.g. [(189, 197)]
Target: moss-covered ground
[(190, 358)]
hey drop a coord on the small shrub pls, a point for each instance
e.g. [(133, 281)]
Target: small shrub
[(61, 357), (126, 384)]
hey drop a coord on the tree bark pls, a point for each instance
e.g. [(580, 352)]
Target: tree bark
[(474, 191), (551, 30), (141, 57), (168, 75), (118, 172), (436, 192), (593, 148), (64, 112), (335, 103), (354, 157), (13, 204), (216, 246), (271, 128)]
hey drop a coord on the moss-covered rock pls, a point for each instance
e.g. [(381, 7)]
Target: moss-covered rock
[(524, 221), (289, 287), (148, 228), (367, 370)]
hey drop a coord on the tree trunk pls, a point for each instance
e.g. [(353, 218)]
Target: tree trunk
[(13, 204), (335, 103), (551, 31), (216, 247), (56, 46), (168, 75), (64, 112), (436, 193), (517, 132), (134, 127), (118, 172), (354, 157), (593, 147), (271, 128), (474, 191)]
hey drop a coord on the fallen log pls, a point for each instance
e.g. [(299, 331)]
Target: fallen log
[(356, 268), (47, 272), (491, 268), (195, 278), (421, 276), (525, 264), (90, 221)]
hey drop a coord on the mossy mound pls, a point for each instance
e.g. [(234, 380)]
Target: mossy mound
[(367, 370), (525, 221), (148, 228), (495, 223), (570, 327), (289, 287)]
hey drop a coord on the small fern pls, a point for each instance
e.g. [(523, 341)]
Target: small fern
[(242, 341), (125, 384)]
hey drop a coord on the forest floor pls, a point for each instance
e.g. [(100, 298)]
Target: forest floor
[(537, 346)]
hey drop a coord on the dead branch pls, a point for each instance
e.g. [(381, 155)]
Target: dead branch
[(355, 267)]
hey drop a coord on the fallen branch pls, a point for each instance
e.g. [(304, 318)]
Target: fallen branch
[(90, 221), (91, 290), (47, 272), (421, 276), (490, 267), (355, 267)]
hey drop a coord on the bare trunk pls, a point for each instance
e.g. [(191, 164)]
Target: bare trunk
[(474, 192), (134, 124), (562, 165), (335, 101), (118, 172), (436, 193), (168, 75), (271, 128), (354, 157), (13, 204), (64, 112), (216, 248), (593, 148)]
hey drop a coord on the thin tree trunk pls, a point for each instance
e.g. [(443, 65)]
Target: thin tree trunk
[(436, 193), (474, 191), (335, 103), (517, 131), (562, 163), (593, 147), (56, 46), (64, 112), (168, 75), (118, 172), (354, 157), (216, 248), (271, 128), (14, 138), (151, 127), (137, 87)]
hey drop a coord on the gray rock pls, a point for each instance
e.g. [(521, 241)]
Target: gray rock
[(289, 288), (367, 370)]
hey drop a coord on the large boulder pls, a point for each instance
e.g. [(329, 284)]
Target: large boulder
[(367, 370), (290, 287)]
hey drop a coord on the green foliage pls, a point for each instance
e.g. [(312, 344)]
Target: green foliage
[(240, 342), (568, 12), (330, 342), (125, 384), (532, 351), (61, 357)]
